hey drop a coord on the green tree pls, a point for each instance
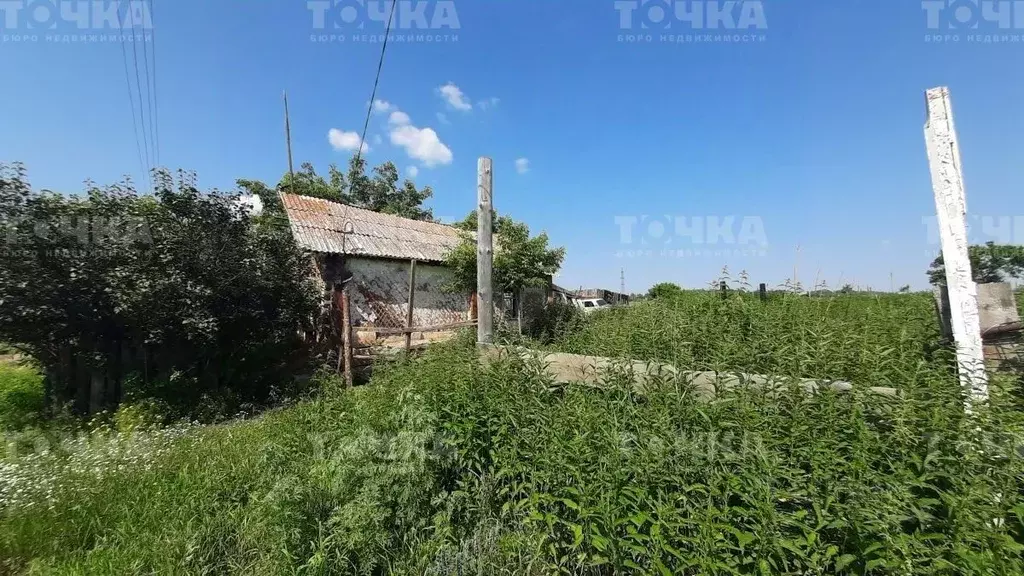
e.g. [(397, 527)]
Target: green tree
[(519, 260), (178, 288), (990, 262), (664, 290), (381, 193)]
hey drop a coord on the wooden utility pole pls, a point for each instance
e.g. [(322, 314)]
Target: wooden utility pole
[(408, 313), (484, 251), (951, 205), (288, 141), (346, 335)]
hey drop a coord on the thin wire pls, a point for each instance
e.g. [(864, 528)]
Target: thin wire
[(373, 94), (155, 112), (131, 101), (142, 110)]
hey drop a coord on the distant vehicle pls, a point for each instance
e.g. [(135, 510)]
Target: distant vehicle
[(590, 304)]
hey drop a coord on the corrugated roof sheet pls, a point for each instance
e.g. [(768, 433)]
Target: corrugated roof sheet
[(318, 225)]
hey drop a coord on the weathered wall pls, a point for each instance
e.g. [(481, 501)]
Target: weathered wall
[(996, 305), (379, 293)]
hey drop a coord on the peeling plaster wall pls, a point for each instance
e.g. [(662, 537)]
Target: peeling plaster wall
[(379, 293)]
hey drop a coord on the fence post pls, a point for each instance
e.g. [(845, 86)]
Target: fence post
[(345, 356), (951, 206), (484, 251), (412, 296)]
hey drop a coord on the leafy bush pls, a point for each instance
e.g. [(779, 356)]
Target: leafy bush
[(181, 288)]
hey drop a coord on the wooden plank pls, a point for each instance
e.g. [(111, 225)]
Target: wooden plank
[(412, 295), (951, 205), (484, 251), (393, 331)]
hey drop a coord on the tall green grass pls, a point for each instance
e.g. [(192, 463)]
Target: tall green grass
[(444, 466), (21, 396), (875, 340)]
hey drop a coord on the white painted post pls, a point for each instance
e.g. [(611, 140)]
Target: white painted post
[(484, 252), (951, 204)]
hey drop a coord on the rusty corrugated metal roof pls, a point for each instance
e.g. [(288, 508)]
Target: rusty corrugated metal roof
[(318, 225)]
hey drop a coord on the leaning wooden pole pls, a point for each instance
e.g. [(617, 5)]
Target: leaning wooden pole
[(412, 298), (484, 252), (346, 336), (951, 205), (288, 142)]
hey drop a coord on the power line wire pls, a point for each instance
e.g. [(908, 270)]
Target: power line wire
[(131, 102), (373, 94), (156, 93), (142, 109), (149, 88)]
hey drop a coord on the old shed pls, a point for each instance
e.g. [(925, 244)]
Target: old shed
[(374, 253)]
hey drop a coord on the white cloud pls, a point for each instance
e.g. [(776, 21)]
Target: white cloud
[(341, 140), (421, 144), (398, 118), (455, 98), (442, 118), (523, 165), (491, 102), (381, 105), (412, 171)]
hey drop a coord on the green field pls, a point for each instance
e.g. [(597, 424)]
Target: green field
[(443, 466)]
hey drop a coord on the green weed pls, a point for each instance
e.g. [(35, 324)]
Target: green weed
[(21, 396), (447, 466)]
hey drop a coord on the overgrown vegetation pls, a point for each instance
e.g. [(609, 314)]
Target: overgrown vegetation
[(877, 339), (444, 466), (177, 296), (21, 396)]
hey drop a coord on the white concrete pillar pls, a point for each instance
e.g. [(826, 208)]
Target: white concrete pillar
[(951, 205)]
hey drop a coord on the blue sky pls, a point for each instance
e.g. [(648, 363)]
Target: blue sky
[(811, 131)]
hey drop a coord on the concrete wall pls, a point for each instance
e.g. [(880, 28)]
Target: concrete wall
[(379, 293), (996, 307)]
